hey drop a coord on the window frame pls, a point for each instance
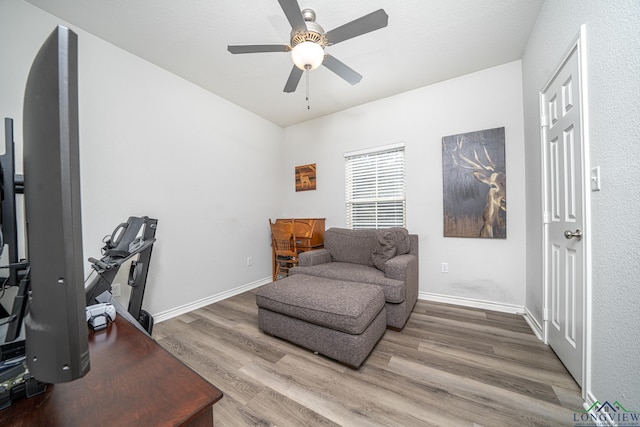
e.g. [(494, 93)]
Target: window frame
[(385, 195)]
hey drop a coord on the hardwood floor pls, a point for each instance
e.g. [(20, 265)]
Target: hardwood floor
[(449, 366)]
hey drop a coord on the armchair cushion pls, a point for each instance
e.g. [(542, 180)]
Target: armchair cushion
[(353, 246), (394, 290), (384, 250), (402, 240)]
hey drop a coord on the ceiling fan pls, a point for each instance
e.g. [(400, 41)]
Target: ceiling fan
[(308, 40)]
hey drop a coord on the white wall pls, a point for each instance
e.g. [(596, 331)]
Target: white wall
[(613, 80), (154, 144), (480, 269)]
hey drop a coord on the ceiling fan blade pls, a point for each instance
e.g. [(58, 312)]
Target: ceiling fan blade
[(365, 24), (341, 69), (293, 80), (292, 11), (258, 48)]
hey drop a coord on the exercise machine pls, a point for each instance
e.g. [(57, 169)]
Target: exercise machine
[(132, 238)]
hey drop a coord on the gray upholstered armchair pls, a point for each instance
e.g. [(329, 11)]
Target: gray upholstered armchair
[(386, 257)]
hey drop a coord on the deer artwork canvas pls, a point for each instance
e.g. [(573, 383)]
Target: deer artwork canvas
[(475, 184), (306, 177)]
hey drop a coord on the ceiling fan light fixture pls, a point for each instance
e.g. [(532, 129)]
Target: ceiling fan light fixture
[(307, 55), (308, 39)]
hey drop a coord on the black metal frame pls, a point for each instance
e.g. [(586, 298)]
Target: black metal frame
[(11, 185), (124, 244)]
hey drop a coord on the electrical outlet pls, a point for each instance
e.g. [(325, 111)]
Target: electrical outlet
[(249, 261), (115, 289), (444, 267)]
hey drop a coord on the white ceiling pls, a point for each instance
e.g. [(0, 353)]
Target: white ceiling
[(426, 41)]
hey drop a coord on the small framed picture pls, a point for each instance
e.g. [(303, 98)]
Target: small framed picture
[(306, 177)]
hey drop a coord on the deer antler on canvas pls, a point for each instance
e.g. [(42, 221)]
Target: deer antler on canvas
[(496, 200)]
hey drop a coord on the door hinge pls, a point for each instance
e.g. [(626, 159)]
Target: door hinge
[(544, 121), (545, 218), (545, 315)]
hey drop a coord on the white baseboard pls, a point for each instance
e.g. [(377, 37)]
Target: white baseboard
[(535, 326), (168, 314), (470, 302), (596, 418)]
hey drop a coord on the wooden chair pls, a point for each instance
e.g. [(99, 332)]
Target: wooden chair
[(284, 247)]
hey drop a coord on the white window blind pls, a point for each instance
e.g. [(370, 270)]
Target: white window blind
[(375, 188)]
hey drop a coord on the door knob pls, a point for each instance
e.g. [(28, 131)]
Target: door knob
[(571, 234)]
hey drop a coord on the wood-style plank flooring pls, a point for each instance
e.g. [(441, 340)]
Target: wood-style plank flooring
[(449, 366)]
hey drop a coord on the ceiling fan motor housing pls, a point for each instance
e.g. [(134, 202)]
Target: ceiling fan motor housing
[(315, 33)]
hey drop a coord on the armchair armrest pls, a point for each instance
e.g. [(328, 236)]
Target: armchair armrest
[(314, 257), (405, 268), (401, 266)]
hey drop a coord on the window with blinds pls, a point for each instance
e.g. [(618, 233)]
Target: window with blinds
[(375, 188)]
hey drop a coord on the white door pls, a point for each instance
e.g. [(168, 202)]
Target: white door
[(562, 135)]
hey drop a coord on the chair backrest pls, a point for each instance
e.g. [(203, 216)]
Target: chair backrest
[(283, 239)]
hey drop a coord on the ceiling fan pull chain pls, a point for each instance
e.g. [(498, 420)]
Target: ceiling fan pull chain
[(307, 68)]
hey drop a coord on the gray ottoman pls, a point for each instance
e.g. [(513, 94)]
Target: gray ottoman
[(342, 320)]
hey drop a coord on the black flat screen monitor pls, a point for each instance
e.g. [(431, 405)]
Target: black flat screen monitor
[(56, 329)]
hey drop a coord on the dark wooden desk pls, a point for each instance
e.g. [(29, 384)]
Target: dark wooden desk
[(132, 382)]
